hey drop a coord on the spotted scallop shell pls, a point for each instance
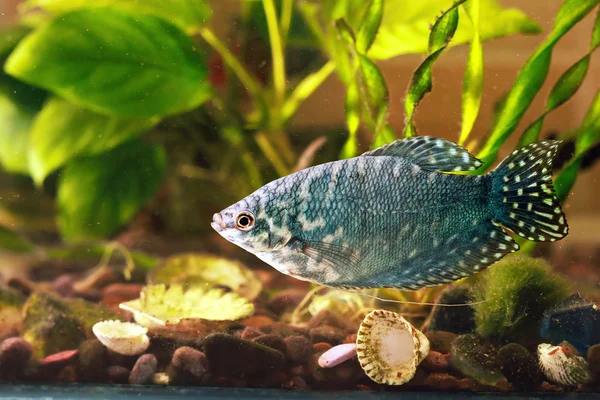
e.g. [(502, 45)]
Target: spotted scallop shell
[(389, 348), (125, 338), (559, 367)]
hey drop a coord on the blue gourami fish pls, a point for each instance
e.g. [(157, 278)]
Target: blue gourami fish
[(398, 216)]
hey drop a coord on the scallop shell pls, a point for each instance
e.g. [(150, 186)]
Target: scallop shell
[(389, 348), (125, 338), (561, 368)]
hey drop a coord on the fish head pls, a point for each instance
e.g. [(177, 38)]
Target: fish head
[(249, 225)]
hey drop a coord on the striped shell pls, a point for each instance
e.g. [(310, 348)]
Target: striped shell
[(561, 368), (389, 348), (125, 338)]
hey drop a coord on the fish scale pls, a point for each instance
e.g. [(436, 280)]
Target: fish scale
[(399, 216)]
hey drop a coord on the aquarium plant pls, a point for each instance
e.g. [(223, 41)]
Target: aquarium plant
[(95, 132)]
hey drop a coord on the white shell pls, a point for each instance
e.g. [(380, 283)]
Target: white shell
[(561, 368), (337, 355), (143, 319), (389, 348), (125, 338)]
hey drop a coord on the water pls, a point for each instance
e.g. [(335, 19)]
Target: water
[(124, 127)]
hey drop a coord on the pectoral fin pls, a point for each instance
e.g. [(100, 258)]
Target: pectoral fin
[(328, 254)]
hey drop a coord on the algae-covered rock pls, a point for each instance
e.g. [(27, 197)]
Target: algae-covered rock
[(11, 317), (519, 366), (52, 325), (475, 358), (454, 319), (514, 293), (206, 270)]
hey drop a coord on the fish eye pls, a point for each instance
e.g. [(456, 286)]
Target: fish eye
[(244, 221)]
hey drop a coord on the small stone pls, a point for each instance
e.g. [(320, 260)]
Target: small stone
[(503, 385), (233, 357), (593, 359), (327, 334), (285, 299), (454, 319), (350, 338), (143, 370), (286, 329), (161, 378), (440, 341), (467, 384), (441, 381), (551, 388), (92, 361), (435, 362), (519, 367), (474, 358), (14, 353), (251, 332), (273, 341), (299, 348), (115, 358), (257, 321), (118, 374), (299, 383), (321, 347), (59, 360), (63, 284), (67, 375), (188, 366)]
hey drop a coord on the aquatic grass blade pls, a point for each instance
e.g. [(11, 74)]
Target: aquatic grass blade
[(473, 78), (369, 26), (421, 82), (531, 78), (305, 88), (566, 86), (352, 113), (587, 137)]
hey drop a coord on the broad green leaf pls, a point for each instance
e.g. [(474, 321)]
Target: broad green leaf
[(352, 112), (421, 82), (14, 242), (369, 26), (99, 194), (114, 62), (373, 85), (473, 79), (566, 86), (188, 14), (15, 122), (63, 131), (531, 78), (405, 25), (587, 137), (159, 305)]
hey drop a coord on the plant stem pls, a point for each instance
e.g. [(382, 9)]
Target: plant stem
[(251, 84), (286, 19), (272, 154), (276, 51)]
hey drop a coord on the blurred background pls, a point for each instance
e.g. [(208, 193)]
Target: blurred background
[(438, 114)]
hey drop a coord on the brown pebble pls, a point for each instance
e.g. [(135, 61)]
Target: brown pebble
[(327, 334), (299, 348), (14, 353), (321, 347), (298, 370), (188, 366), (549, 387), (503, 385), (467, 384), (299, 383), (118, 374), (251, 332), (126, 291), (285, 299), (59, 360), (67, 375), (350, 338), (273, 341), (441, 381), (440, 341), (257, 321), (143, 370), (435, 362)]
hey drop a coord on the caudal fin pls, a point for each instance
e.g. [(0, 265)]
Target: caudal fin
[(525, 200)]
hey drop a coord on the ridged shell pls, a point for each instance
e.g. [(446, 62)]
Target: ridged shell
[(561, 368), (125, 338), (389, 348)]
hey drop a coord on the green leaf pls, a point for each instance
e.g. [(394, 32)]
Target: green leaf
[(14, 242), (14, 135), (305, 88), (63, 131), (566, 86), (373, 85), (421, 82), (352, 112), (188, 14), (114, 62), (531, 78), (588, 136), (99, 194), (405, 25), (369, 26), (473, 79)]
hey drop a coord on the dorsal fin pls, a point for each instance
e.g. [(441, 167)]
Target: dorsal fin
[(430, 153)]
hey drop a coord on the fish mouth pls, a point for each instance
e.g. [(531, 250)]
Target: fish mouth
[(217, 223)]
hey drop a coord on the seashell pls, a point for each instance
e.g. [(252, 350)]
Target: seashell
[(389, 348), (564, 369), (125, 338), (337, 355)]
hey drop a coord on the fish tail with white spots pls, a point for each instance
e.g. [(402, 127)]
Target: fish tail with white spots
[(524, 199)]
